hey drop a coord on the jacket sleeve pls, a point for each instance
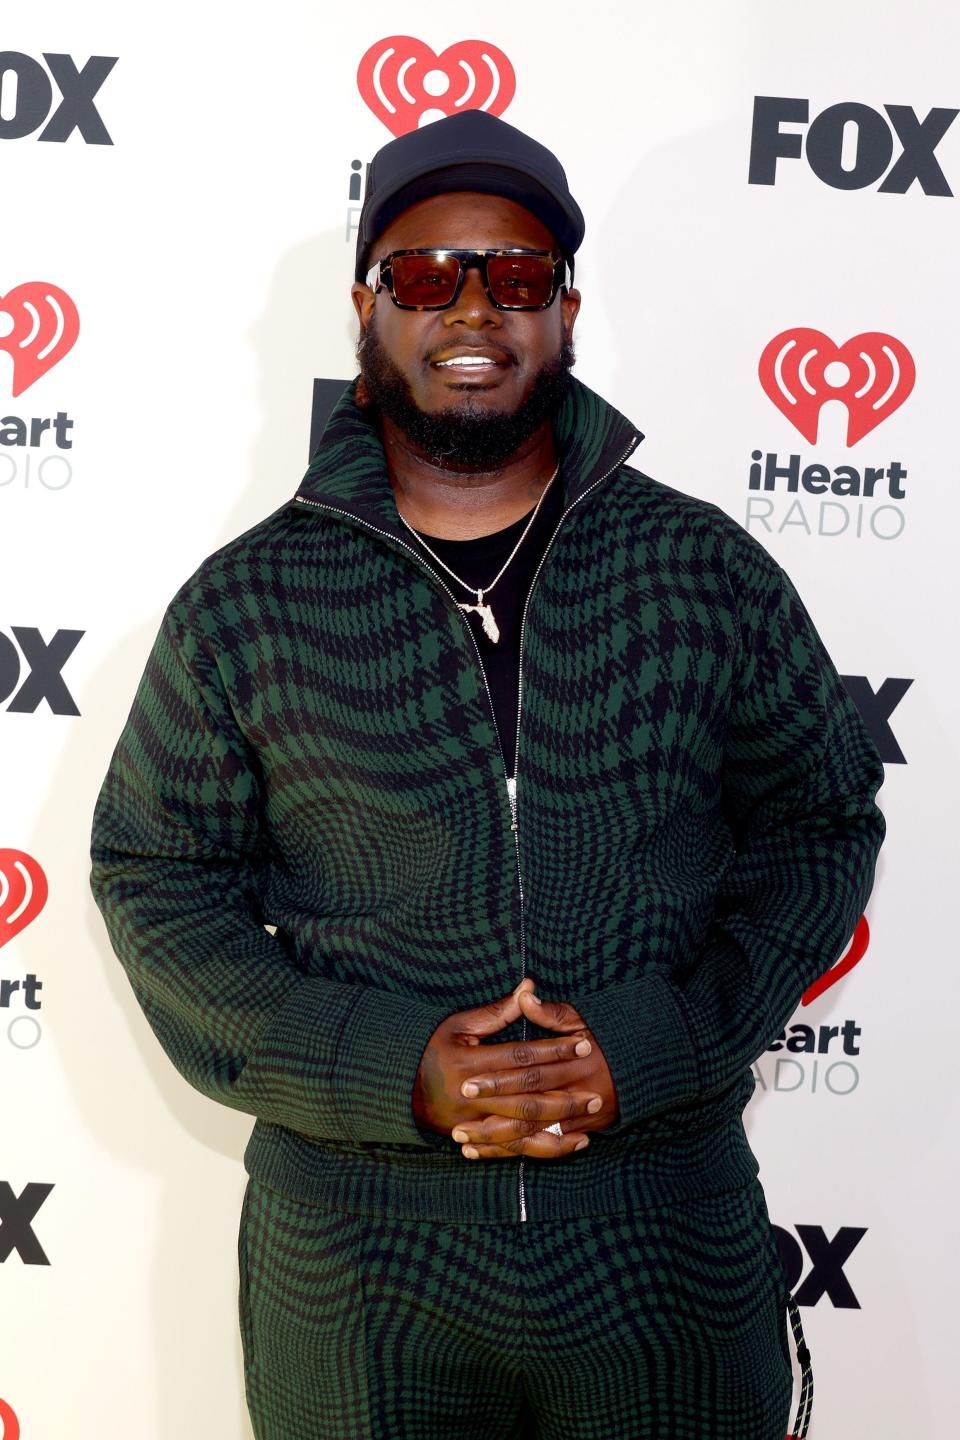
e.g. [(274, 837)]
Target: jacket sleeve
[(798, 782), (176, 846)]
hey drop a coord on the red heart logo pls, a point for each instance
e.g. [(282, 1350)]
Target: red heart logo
[(42, 324), (800, 370), (406, 84), (855, 953), (10, 1423), (23, 892)]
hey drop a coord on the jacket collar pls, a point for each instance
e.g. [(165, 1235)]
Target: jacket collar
[(348, 471)]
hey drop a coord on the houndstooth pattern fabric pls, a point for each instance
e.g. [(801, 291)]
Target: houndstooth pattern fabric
[(662, 1324), (311, 748)]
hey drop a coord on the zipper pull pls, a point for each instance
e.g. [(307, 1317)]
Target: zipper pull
[(512, 797)]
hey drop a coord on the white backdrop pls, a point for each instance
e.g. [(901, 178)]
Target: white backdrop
[(208, 251)]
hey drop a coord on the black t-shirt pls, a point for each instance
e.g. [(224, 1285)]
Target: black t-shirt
[(477, 562)]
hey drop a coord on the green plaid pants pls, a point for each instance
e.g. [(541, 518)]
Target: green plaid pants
[(669, 1322)]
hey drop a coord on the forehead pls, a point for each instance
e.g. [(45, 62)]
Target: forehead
[(464, 219)]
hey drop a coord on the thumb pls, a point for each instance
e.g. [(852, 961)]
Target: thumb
[(487, 1019)]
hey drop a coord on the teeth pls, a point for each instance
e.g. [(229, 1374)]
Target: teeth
[(468, 360)]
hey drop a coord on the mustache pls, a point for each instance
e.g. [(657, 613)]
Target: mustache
[(362, 343), (566, 354)]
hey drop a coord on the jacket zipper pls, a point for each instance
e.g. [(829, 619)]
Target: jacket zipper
[(509, 781), (512, 788)]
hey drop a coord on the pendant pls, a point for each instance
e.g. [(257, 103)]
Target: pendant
[(486, 618)]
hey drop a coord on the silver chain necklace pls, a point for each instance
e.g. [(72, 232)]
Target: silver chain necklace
[(484, 611)]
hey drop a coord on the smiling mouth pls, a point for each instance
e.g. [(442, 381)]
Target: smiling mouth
[(473, 361), (470, 367), (477, 353)]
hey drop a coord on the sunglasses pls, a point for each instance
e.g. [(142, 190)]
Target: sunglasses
[(431, 279)]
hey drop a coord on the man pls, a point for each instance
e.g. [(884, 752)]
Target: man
[(554, 804)]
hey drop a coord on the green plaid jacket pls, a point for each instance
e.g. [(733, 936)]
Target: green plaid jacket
[(305, 856)]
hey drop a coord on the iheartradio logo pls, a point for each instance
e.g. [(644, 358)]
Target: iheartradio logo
[(406, 84), (9, 1424), (872, 374), (38, 325), (852, 956), (23, 894)]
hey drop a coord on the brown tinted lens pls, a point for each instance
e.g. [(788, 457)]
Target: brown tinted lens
[(424, 279), (520, 279)]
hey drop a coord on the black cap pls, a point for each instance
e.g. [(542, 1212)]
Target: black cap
[(472, 150)]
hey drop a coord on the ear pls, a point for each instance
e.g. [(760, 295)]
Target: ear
[(364, 300), (569, 308)]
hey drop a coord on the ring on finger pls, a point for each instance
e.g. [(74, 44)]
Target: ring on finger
[(554, 1129)]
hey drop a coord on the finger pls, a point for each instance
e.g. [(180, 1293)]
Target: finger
[(517, 1054), (552, 1015), (541, 1145), (498, 1130), (495, 1015), (535, 1079), (544, 1108)]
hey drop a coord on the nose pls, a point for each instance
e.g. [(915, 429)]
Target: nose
[(472, 306)]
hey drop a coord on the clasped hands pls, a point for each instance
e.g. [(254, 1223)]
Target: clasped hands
[(496, 1102)]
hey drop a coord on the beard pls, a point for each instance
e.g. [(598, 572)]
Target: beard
[(467, 435)]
